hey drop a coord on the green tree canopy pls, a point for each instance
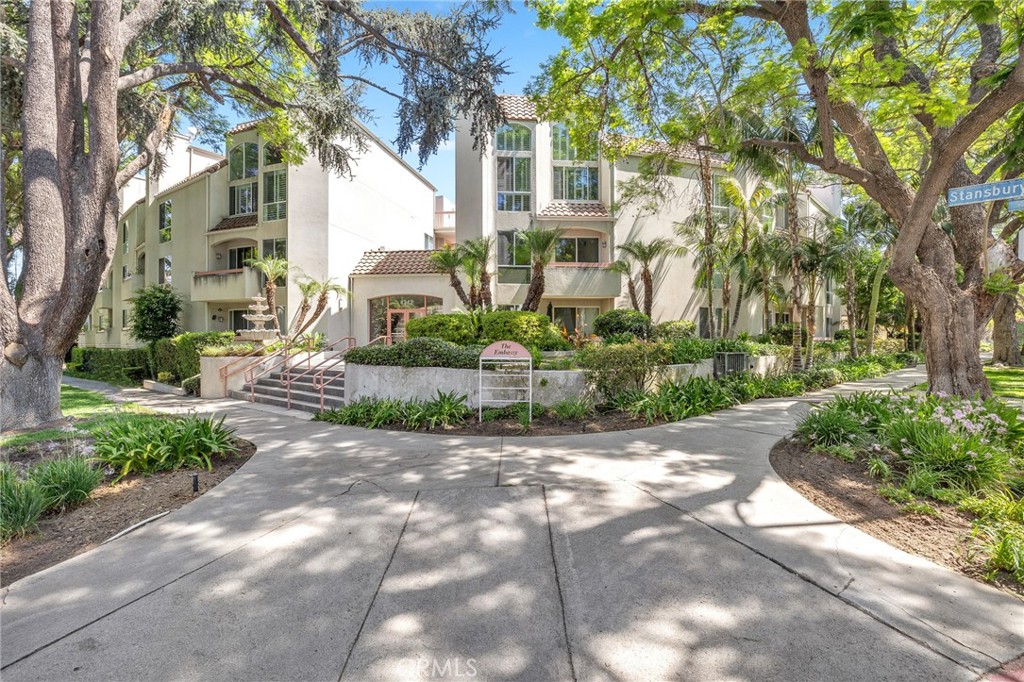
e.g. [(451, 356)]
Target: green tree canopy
[(156, 313)]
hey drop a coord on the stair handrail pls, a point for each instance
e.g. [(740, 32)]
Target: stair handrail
[(318, 378), (226, 370), (250, 372), (287, 379), (309, 357)]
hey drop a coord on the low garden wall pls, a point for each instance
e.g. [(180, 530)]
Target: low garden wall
[(423, 383), (549, 386)]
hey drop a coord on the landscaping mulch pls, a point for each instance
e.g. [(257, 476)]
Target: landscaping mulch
[(844, 490), (542, 426), (110, 509)]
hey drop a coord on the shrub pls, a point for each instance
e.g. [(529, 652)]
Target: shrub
[(419, 352), (65, 482), (122, 366), (188, 347), (618, 339), (844, 335), (460, 328), (21, 503), (617, 368), (446, 410), (165, 377), (146, 444), (573, 409), (623, 321), (782, 333), (1003, 543), (688, 351), (890, 346), (192, 385), (155, 312), (829, 425), (675, 330), (530, 329), (230, 350)]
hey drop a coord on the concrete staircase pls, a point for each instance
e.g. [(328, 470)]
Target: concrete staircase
[(271, 390)]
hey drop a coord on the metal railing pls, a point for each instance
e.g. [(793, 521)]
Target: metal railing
[(326, 363), (226, 371), (252, 374)]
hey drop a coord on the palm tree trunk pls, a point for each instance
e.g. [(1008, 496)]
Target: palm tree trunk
[(648, 281), (631, 288), (740, 295), (711, 304), (766, 302), (321, 305), (485, 288), (474, 295), (301, 317), (796, 318), (536, 290), (726, 304), (851, 308), (270, 291), (811, 325), (876, 289), (456, 284)]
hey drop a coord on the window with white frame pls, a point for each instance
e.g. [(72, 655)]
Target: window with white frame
[(242, 198), (126, 272), (124, 238), (272, 155), (574, 176), (124, 318), (103, 323), (721, 206), (428, 241), (243, 161), (578, 250), (275, 195), (514, 165), (164, 273), (165, 222)]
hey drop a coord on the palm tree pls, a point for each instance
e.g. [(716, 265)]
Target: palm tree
[(274, 270), (478, 252), (820, 260), (307, 287), (707, 257), (760, 270), (540, 243), (750, 203), (624, 267), (448, 261), (322, 289), (649, 255)]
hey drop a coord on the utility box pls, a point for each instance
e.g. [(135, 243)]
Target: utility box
[(730, 363)]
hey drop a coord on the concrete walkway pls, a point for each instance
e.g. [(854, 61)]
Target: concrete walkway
[(671, 552)]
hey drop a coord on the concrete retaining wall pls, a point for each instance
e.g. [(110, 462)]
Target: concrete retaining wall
[(210, 383), (423, 383)]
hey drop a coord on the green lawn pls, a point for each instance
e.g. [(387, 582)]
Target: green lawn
[(1006, 382), (90, 410)]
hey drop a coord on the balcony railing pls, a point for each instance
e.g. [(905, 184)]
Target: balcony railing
[(225, 285), (568, 279)]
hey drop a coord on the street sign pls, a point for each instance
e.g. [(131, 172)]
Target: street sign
[(1017, 205), (979, 194)]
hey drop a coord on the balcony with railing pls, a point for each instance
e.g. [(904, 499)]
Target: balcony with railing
[(590, 280), (225, 285)]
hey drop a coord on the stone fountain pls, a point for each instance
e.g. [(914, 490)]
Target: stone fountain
[(259, 317)]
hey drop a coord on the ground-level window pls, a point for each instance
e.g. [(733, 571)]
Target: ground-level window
[(573, 319), (105, 317), (389, 314), (238, 320), (124, 318)]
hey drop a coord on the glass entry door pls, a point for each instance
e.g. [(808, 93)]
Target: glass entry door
[(397, 320)]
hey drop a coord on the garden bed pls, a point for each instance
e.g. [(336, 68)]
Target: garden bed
[(110, 509), (845, 491)]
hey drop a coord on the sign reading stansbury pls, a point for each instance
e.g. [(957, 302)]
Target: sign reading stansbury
[(993, 191)]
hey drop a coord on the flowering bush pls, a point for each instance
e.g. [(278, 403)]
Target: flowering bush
[(965, 452)]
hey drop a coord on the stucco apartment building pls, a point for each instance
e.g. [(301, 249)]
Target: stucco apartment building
[(531, 175), (196, 225)]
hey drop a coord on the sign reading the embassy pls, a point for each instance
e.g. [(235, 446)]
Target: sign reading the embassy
[(505, 350)]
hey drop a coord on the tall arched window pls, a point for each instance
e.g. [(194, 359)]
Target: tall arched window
[(574, 175), (514, 146), (243, 161)]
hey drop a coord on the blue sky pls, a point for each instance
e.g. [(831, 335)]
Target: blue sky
[(521, 44)]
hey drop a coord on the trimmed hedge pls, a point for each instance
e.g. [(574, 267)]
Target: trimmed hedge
[(675, 330), (616, 322), (454, 327), (419, 352), (121, 366)]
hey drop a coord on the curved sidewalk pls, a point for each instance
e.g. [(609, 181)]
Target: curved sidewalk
[(671, 552)]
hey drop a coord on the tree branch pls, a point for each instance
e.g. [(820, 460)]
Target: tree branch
[(137, 20), (149, 149), (156, 71), (289, 28), (842, 168), (991, 39)]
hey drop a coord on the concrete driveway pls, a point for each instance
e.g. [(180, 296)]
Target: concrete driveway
[(672, 552)]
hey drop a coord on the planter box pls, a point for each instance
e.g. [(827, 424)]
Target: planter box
[(157, 387), (211, 383), (423, 383)]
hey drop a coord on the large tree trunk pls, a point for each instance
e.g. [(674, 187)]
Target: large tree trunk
[(950, 335), (30, 394), (1005, 345), (536, 289)]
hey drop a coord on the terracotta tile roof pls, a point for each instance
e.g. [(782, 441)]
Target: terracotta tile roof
[(395, 263), (246, 126), (640, 147), (574, 209), (517, 108), (234, 221), (213, 168)]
